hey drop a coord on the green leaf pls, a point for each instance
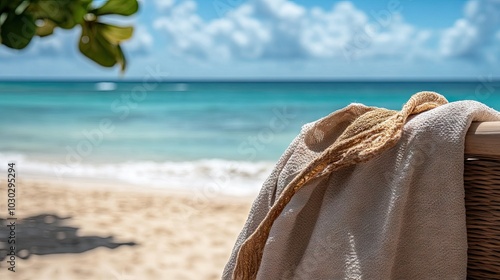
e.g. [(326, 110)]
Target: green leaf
[(53, 10), (121, 59), (65, 13), (9, 5), (22, 7), (80, 9), (94, 46), (17, 30), (118, 7), (100, 42), (115, 34), (3, 5), (46, 28)]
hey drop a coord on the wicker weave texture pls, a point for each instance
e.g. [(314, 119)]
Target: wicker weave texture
[(482, 202)]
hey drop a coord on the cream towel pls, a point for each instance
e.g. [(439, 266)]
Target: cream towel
[(400, 215)]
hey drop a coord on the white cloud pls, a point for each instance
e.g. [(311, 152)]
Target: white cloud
[(281, 38), (279, 29), (470, 35), (141, 42), (55, 44), (164, 4)]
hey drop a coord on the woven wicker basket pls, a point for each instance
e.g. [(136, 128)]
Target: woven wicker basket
[(482, 200)]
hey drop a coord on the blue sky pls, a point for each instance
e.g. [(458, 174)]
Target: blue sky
[(282, 39)]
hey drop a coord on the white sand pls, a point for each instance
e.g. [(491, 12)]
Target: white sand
[(178, 235)]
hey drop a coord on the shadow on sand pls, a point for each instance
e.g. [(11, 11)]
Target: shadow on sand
[(46, 234)]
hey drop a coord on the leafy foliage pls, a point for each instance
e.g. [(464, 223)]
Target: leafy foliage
[(21, 20)]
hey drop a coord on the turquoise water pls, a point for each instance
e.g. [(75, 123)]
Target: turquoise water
[(85, 125)]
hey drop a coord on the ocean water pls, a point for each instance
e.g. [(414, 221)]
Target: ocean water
[(181, 135)]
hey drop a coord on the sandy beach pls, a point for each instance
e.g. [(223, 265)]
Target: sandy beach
[(90, 230)]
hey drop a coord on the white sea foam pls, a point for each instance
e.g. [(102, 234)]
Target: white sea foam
[(105, 86), (207, 175), (181, 87)]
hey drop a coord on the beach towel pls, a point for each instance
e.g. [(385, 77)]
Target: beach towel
[(365, 193)]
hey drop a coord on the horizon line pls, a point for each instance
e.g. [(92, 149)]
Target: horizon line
[(255, 80)]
